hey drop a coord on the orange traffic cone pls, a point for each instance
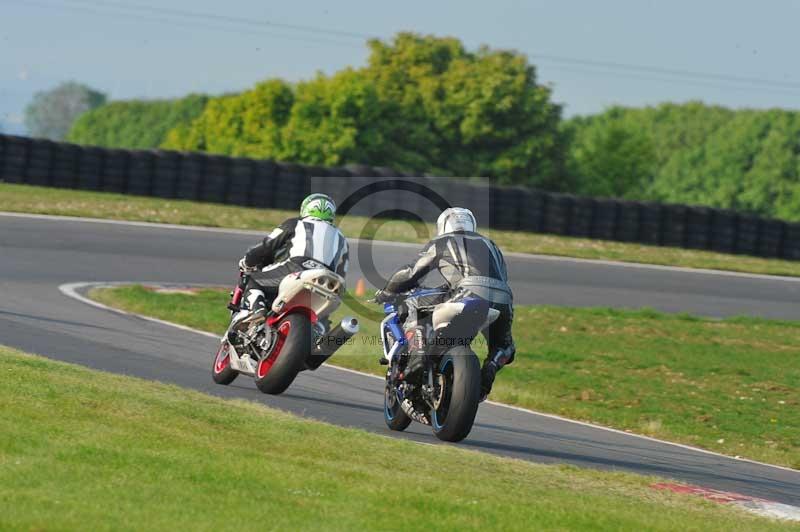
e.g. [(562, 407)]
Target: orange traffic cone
[(361, 287)]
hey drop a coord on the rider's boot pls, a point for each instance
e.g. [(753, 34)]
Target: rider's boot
[(240, 323), (253, 307), (491, 366)]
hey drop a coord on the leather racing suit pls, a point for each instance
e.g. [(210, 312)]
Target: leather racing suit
[(472, 266), (297, 244)]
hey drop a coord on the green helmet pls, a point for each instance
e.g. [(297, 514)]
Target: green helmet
[(319, 206)]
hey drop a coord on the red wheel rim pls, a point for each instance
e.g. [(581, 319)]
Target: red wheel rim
[(266, 364), (222, 359)]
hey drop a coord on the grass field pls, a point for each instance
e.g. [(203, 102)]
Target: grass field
[(85, 450), (731, 386), (43, 200)]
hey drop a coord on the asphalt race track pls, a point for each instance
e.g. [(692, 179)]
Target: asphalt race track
[(37, 255)]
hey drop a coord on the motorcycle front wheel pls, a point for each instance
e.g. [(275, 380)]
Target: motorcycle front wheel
[(276, 372), (458, 394), (221, 371), (393, 414)]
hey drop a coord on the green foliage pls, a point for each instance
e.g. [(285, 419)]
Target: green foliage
[(175, 459), (246, 124), (422, 104), (611, 159), (51, 113), (466, 114), (697, 154), (335, 121), (428, 105), (135, 124)]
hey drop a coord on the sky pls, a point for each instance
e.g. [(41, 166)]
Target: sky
[(594, 54)]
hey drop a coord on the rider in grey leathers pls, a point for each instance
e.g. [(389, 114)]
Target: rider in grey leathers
[(473, 266)]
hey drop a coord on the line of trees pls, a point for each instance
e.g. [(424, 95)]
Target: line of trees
[(135, 124), (51, 113), (428, 105), (744, 160), (422, 104)]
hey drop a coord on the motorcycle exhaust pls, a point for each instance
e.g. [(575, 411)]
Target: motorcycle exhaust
[(328, 344)]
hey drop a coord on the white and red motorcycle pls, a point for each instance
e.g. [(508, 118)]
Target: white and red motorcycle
[(274, 345)]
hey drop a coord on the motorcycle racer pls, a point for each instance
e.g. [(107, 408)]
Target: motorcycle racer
[(306, 242), (472, 266)]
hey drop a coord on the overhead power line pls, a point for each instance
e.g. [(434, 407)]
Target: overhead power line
[(315, 34), (225, 18), (672, 81), (668, 71), (169, 20)]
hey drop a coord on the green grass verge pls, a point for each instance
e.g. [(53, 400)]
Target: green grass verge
[(731, 386), (86, 450), (42, 200)]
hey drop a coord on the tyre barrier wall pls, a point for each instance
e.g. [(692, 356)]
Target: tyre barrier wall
[(262, 183)]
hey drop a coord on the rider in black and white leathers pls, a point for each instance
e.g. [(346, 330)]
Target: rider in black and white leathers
[(310, 241), (472, 265)]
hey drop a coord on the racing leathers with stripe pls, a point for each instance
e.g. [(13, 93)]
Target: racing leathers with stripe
[(297, 244), (472, 266)]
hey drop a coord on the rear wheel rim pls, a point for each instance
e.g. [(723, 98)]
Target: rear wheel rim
[(445, 392), (265, 365)]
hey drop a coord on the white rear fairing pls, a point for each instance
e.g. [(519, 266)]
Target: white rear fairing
[(316, 289)]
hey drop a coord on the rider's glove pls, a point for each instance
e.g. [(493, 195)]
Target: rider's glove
[(244, 268), (381, 296)]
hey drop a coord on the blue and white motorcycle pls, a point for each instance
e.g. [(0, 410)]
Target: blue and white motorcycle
[(432, 378)]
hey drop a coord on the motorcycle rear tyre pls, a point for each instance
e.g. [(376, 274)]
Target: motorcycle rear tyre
[(463, 372), (291, 357)]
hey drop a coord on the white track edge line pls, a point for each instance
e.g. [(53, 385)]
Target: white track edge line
[(153, 225), (658, 267), (409, 245), (70, 290), (770, 509)]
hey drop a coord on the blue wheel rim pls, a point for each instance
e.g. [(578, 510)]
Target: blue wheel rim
[(386, 411)]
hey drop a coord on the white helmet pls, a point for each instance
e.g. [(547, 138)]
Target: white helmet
[(455, 219)]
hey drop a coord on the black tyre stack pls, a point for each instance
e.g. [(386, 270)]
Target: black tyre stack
[(605, 219), (723, 231), (270, 184)]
